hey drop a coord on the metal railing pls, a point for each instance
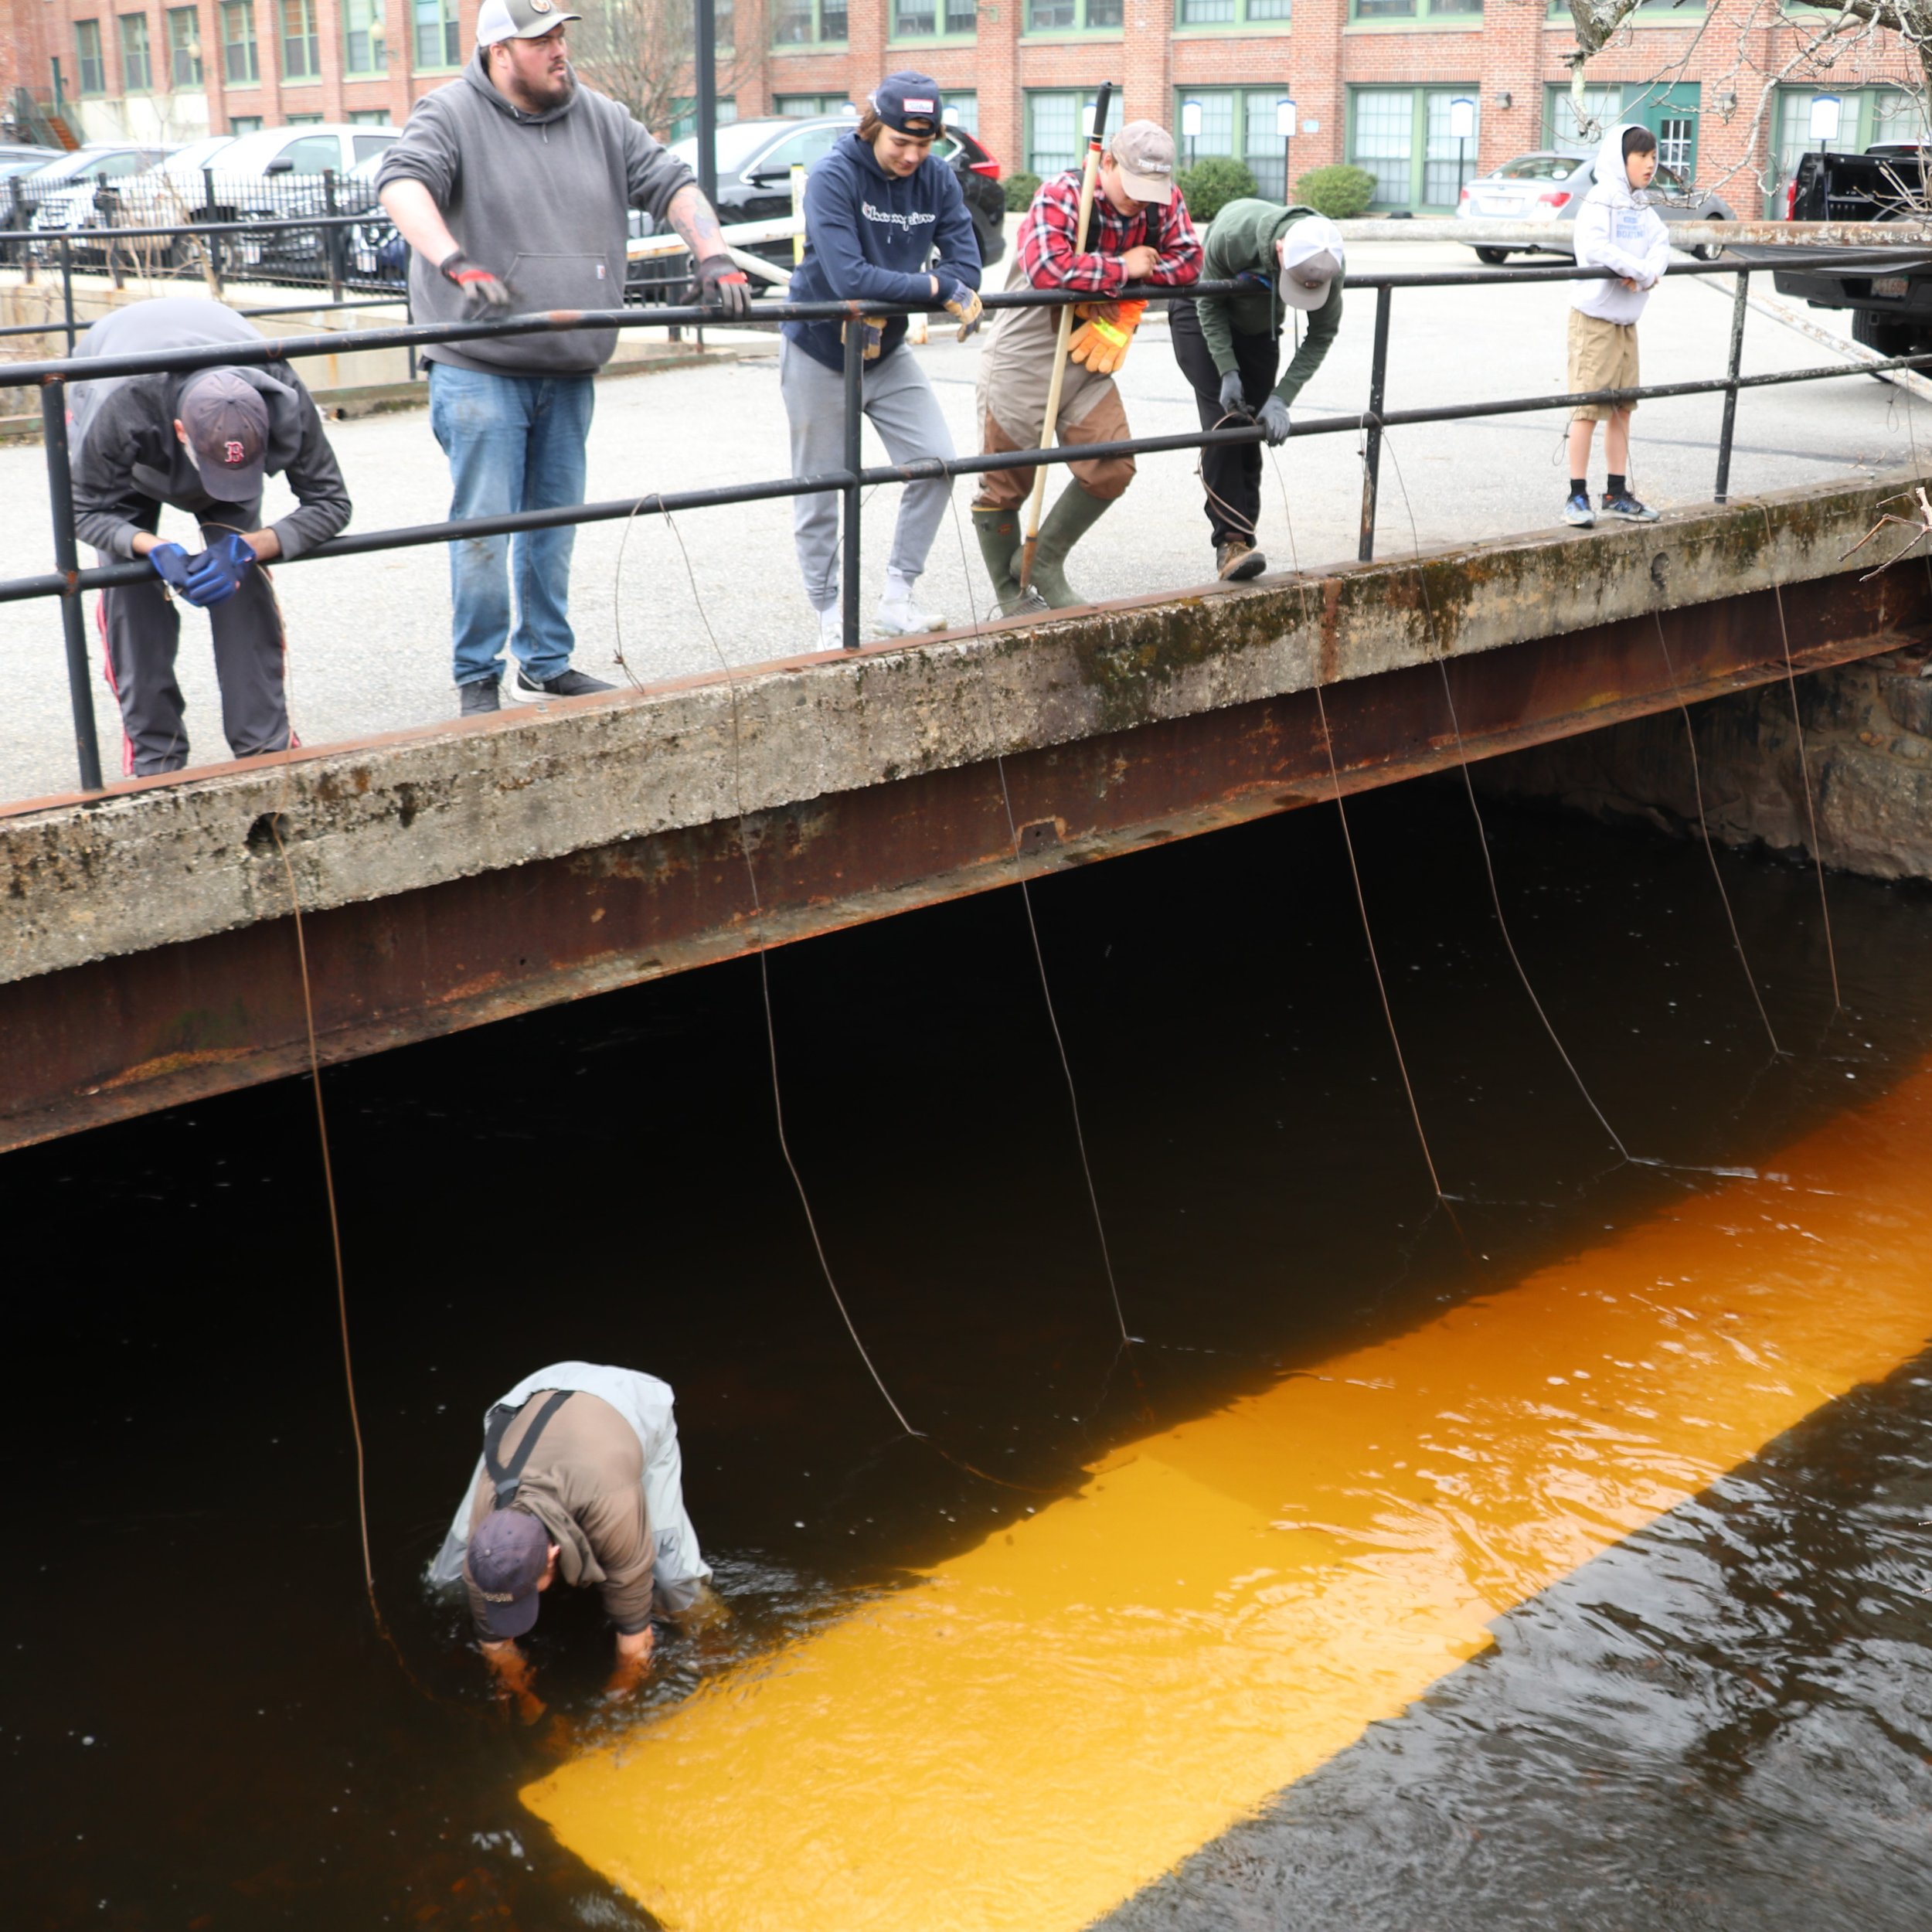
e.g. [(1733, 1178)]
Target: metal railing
[(67, 581)]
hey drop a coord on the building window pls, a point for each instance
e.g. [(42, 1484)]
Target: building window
[(1232, 13), (798, 21), (1603, 108), (684, 115), (1239, 122), (1056, 128), (1418, 9), (240, 65), (962, 111), (244, 124), (184, 48), (1401, 136), (439, 34), (1074, 16), (137, 72), (369, 118), (920, 19), (1867, 117), (301, 46), (803, 107), (362, 49), (87, 62), (1670, 111)]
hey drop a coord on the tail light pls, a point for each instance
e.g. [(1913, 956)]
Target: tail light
[(1555, 198), (989, 168), (1790, 200), (1463, 197)]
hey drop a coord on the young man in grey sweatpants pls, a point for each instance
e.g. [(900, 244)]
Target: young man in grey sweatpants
[(877, 207)]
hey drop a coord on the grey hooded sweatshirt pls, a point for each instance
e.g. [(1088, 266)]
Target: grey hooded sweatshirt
[(127, 458), (539, 199)]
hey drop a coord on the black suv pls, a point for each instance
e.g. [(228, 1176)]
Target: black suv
[(754, 174)]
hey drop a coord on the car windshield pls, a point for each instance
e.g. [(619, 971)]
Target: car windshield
[(1537, 167), (735, 144), (67, 165), (198, 154)]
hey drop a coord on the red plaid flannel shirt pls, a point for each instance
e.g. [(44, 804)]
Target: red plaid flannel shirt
[(1047, 243)]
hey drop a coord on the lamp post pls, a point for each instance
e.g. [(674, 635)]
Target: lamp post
[(1284, 127), (1462, 125), (1190, 127)]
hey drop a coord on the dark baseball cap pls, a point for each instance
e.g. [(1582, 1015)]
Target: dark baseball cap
[(227, 425), (509, 1555), (910, 103)]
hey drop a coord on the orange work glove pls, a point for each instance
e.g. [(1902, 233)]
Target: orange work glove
[(1102, 343)]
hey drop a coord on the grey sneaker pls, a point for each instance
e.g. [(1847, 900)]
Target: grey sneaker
[(1578, 514), (1235, 562), (1629, 510), (479, 697), (565, 684)]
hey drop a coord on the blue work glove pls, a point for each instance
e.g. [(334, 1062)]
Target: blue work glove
[(217, 572), (1233, 402), (171, 565), (1273, 420)]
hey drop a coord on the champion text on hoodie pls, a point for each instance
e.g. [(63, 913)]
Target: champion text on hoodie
[(1616, 231)]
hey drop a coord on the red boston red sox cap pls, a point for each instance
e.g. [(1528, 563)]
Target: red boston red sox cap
[(227, 425)]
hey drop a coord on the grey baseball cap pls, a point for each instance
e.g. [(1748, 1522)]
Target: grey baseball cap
[(227, 425), (1144, 152), (507, 1559), (501, 20)]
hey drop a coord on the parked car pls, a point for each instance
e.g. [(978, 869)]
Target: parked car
[(755, 159), (1549, 187), (277, 173), (80, 190), (19, 157)]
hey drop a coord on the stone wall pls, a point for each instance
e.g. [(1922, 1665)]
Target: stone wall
[(1868, 745)]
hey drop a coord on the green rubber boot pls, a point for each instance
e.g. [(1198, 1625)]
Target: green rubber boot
[(1073, 514), (997, 530)]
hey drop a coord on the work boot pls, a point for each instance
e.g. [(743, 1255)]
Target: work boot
[(996, 530), (479, 697), (565, 684), (1235, 562), (1073, 514)]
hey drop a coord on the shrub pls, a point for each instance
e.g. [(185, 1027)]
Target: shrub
[(1340, 192), (1021, 188), (1210, 184)]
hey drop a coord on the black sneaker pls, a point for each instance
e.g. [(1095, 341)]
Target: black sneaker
[(565, 684), (479, 697)]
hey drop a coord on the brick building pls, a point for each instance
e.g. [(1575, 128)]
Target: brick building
[(1372, 80)]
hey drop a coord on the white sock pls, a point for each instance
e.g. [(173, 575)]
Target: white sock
[(899, 590)]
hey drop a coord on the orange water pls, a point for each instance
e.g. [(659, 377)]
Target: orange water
[(1048, 1721)]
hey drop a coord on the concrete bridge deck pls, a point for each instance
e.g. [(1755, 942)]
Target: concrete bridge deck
[(454, 875)]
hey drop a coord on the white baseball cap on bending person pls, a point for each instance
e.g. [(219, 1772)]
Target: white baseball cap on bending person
[(1312, 258), (500, 20)]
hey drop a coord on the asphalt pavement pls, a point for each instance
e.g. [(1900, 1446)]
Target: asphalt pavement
[(368, 636)]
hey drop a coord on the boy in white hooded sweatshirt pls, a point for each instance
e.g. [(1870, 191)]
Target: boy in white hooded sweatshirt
[(1614, 230)]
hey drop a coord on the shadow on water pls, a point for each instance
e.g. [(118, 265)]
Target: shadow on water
[(201, 1727)]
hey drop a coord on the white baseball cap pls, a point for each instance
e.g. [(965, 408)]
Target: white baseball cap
[(1312, 258), (500, 20)]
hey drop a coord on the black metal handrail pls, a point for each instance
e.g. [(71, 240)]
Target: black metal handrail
[(67, 581)]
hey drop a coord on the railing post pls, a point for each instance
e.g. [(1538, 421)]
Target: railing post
[(66, 298), (855, 449), (209, 214), (66, 558), (1372, 441), (331, 238), (1739, 303)]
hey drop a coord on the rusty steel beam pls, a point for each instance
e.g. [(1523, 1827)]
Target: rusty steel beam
[(122, 1037)]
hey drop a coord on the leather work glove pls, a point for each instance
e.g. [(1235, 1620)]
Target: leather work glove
[(171, 565), (720, 283), (1273, 420), (489, 295), (875, 328), (1102, 343), (216, 574), (964, 303), (1234, 402)]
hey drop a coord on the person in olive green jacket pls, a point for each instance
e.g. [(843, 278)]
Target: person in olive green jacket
[(1229, 348)]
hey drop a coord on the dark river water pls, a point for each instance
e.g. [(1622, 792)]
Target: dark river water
[(1723, 1720)]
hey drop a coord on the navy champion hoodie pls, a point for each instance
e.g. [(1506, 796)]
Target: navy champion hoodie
[(867, 235)]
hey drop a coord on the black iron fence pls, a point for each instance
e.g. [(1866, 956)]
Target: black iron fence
[(67, 581)]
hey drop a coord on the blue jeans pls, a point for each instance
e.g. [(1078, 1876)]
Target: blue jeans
[(514, 443)]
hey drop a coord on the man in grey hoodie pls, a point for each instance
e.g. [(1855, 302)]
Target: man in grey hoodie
[(511, 186)]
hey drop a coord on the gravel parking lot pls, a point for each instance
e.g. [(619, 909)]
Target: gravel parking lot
[(369, 636)]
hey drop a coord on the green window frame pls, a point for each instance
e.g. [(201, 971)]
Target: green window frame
[(804, 107), (302, 45), (684, 114), (1867, 117), (1262, 14), (184, 47), (797, 23), (137, 63), (1056, 129), (1238, 123), (1416, 12), (363, 49), (1658, 13), (89, 66), (1401, 136), (935, 19), (1671, 111), (1075, 16), (436, 36), (962, 110), (240, 58), (244, 124)]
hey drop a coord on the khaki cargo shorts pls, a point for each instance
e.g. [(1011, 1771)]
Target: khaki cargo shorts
[(1602, 356)]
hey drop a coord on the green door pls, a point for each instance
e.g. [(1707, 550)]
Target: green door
[(1671, 113)]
